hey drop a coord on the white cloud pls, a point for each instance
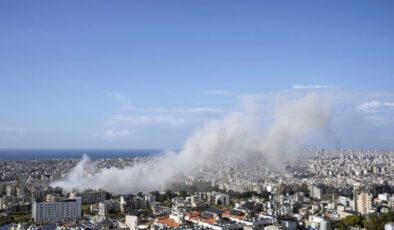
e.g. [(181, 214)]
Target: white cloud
[(146, 110), (218, 92), (310, 86), (119, 98), (374, 106), (111, 133), (175, 110), (126, 106), (134, 120), (137, 117), (13, 130), (204, 110)]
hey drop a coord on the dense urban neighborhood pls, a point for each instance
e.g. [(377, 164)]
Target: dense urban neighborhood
[(327, 189)]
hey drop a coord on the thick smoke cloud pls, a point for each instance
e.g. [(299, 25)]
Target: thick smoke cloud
[(238, 136)]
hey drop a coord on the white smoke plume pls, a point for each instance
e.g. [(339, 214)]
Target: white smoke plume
[(238, 135)]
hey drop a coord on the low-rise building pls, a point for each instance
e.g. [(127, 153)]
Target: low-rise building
[(132, 221), (90, 196)]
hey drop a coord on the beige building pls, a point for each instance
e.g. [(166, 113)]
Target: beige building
[(364, 202)]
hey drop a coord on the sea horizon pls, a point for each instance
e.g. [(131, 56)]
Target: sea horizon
[(72, 153)]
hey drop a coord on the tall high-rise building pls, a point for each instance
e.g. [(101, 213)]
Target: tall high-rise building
[(364, 202), (67, 209)]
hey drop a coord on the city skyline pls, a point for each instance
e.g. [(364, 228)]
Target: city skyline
[(197, 115)]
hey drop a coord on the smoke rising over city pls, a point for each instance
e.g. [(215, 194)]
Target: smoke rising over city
[(238, 135)]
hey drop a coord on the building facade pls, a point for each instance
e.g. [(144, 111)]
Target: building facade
[(364, 202), (90, 196), (67, 209)]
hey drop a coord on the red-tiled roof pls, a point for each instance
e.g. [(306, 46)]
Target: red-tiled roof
[(169, 222)]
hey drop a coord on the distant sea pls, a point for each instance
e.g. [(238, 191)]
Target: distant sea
[(42, 154)]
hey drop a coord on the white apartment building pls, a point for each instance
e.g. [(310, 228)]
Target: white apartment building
[(103, 208), (390, 202), (66, 209), (317, 222), (132, 221), (383, 197), (389, 226)]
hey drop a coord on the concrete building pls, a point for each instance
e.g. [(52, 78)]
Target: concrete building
[(67, 209), (316, 191), (383, 197), (10, 190), (103, 208), (132, 221), (129, 203), (364, 202), (7, 202), (390, 203), (90, 196), (222, 199), (318, 222), (389, 226), (199, 201)]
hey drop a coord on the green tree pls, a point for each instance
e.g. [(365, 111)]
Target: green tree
[(373, 223), (156, 194), (168, 195), (353, 221), (183, 194)]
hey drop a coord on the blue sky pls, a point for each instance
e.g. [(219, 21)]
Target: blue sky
[(144, 74)]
